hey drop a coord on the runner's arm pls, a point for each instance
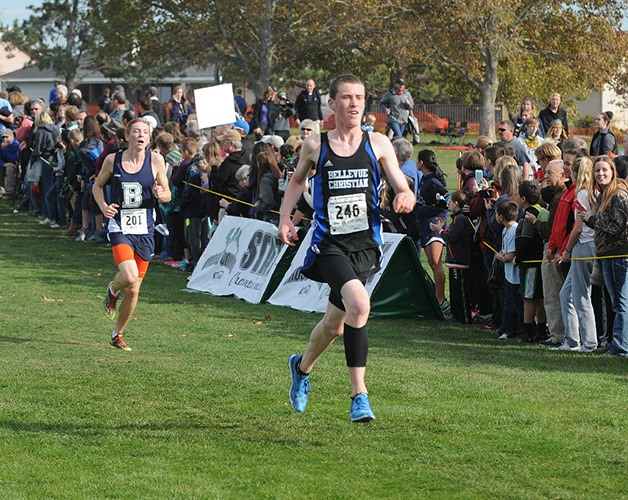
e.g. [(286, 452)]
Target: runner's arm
[(101, 181), (161, 189), (298, 184), (404, 201)]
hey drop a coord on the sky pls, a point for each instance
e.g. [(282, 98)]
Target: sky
[(17, 9)]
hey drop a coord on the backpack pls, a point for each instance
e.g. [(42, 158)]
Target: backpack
[(89, 151)]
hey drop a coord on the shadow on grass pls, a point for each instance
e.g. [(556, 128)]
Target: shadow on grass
[(156, 430), (13, 340)]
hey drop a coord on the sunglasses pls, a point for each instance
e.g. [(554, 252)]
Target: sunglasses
[(306, 130), (502, 129)]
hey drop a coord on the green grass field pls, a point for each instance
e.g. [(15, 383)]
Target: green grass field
[(199, 408)]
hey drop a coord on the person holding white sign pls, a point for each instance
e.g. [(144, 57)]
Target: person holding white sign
[(347, 239), (137, 178)]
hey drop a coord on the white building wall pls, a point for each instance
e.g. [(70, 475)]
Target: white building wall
[(606, 100)]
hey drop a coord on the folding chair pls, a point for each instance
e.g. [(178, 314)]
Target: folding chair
[(461, 133)]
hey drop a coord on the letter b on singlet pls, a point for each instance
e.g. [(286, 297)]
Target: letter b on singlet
[(131, 194)]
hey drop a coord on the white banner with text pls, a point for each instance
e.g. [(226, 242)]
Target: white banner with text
[(299, 292), (239, 260)]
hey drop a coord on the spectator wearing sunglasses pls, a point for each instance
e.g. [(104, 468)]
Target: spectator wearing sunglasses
[(307, 128)]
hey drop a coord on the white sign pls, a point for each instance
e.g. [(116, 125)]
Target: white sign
[(214, 105), (239, 260), (299, 292)]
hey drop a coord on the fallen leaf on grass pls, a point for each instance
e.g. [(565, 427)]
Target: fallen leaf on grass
[(46, 299), (231, 335), (256, 322), (268, 318)]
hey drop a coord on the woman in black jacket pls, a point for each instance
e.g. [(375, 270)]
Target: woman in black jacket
[(604, 141)]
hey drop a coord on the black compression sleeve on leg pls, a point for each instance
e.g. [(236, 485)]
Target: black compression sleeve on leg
[(356, 342)]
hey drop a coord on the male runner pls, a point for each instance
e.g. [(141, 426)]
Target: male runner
[(346, 243), (137, 177)]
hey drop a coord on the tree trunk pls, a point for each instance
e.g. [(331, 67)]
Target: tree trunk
[(489, 96)]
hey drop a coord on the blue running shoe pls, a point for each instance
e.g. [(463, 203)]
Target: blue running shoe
[(361, 408), (300, 385)]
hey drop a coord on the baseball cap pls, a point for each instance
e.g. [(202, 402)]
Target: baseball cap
[(151, 121), (242, 125), (400, 81), (152, 91), (230, 135), (112, 126), (77, 92), (7, 132), (273, 140)]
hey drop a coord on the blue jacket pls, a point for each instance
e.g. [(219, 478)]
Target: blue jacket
[(11, 153), (428, 205), (192, 203)]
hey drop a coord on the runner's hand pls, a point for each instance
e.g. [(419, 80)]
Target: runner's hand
[(158, 191), (111, 211), (287, 233), (404, 202)]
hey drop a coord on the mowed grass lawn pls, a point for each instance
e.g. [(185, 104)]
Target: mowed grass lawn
[(199, 408)]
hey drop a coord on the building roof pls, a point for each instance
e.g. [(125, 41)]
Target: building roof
[(32, 74)]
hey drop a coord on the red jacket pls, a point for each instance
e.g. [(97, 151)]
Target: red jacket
[(563, 221)]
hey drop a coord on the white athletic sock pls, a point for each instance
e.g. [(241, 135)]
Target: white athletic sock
[(112, 292), (114, 335)]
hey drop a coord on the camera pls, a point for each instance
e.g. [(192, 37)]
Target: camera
[(487, 193)]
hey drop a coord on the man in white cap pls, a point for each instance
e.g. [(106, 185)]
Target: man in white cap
[(275, 142)]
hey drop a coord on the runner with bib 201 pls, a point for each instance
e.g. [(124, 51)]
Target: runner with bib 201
[(137, 180)]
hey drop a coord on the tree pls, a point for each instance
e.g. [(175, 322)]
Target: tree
[(58, 35), (254, 40), (533, 44)]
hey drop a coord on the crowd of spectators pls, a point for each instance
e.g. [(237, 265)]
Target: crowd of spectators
[(52, 152), (539, 219)]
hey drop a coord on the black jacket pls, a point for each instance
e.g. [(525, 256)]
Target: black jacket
[(528, 241), (223, 179), (306, 109), (257, 115), (603, 142), (547, 116), (458, 238)]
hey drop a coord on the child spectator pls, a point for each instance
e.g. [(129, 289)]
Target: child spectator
[(172, 209), (529, 247), (73, 165), (458, 238), (369, 124), (470, 162), (506, 212), (193, 208), (189, 149), (268, 198)]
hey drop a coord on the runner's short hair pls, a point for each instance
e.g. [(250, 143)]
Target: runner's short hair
[(339, 80)]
